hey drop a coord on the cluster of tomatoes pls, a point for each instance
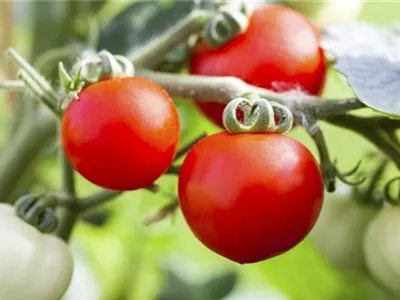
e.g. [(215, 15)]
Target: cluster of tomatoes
[(248, 196)]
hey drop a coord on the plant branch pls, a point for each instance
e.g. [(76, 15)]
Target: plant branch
[(13, 85), (104, 196), (374, 130), (173, 170), (67, 175), (153, 53), (182, 151), (67, 216), (224, 89), (98, 198), (327, 167)]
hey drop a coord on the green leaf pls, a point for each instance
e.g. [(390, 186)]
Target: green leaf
[(220, 286), (361, 38), (375, 81), (140, 22)]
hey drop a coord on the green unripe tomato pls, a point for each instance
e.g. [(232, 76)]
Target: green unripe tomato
[(382, 248), (339, 232), (327, 12)]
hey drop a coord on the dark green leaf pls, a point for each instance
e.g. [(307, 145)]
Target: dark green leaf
[(375, 81), (141, 22), (220, 286)]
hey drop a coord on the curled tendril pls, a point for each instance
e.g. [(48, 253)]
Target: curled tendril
[(388, 197), (226, 25), (343, 175), (258, 116), (36, 211)]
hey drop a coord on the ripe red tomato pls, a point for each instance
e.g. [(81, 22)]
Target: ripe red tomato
[(250, 197), (280, 51), (122, 133)]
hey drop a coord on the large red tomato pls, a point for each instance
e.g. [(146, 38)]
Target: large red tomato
[(249, 197), (121, 133), (280, 50)]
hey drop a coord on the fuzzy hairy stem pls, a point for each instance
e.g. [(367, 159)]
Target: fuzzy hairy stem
[(153, 53), (224, 89)]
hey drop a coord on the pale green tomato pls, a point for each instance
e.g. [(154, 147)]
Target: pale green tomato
[(33, 265), (327, 12), (339, 231), (382, 248)]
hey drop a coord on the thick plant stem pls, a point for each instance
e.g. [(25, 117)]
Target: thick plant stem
[(67, 220), (224, 89), (22, 150), (153, 54), (67, 175), (67, 215)]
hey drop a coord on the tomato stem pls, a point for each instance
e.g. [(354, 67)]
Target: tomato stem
[(13, 85), (97, 199), (224, 89), (327, 167), (35, 83), (183, 150), (153, 53)]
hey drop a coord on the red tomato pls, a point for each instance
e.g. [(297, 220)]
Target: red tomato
[(279, 51), (250, 197), (122, 133)]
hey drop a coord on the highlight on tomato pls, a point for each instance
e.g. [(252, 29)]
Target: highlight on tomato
[(280, 50), (249, 197), (122, 133)]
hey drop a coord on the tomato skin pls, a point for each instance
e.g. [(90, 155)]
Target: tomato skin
[(339, 232), (382, 248), (249, 197), (122, 133), (33, 265), (279, 51)]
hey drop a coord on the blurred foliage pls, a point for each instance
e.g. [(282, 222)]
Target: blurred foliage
[(129, 259)]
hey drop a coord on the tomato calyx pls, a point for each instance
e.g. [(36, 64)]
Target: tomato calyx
[(38, 211), (91, 68), (259, 116), (227, 24)]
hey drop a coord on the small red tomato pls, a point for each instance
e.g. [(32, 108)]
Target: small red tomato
[(122, 133), (250, 197), (280, 50)]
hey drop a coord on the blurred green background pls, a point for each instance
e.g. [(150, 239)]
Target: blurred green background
[(124, 259)]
